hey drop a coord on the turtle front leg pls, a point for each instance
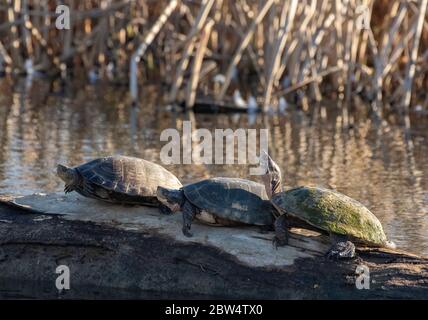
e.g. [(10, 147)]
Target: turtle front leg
[(68, 188), (189, 212), (341, 247), (164, 209), (281, 232)]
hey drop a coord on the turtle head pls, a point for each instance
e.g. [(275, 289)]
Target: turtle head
[(171, 198), (65, 173), (390, 244), (272, 176)]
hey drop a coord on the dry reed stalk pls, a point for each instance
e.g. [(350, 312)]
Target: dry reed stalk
[(361, 55), (188, 48), (294, 64), (245, 39), (339, 40), (278, 50), (206, 69), (253, 56), (197, 63), (389, 38), (349, 63), (377, 79), (4, 55), (411, 66), (312, 65), (313, 41), (68, 33), (399, 49), (15, 43), (381, 57), (307, 81), (136, 56), (214, 38), (38, 23), (26, 39), (288, 51), (43, 43), (243, 44)]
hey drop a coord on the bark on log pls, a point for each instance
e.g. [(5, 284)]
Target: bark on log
[(127, 258)]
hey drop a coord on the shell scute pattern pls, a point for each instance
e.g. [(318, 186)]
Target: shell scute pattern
[(333, 212), (127, 175), (231, 198)]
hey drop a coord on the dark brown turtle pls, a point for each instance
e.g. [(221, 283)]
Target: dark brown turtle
[(220, 201), (119, 179)]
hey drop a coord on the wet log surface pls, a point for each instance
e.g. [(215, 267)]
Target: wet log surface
[(134, 258)]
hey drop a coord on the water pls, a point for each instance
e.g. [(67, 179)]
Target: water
[(328, 147)]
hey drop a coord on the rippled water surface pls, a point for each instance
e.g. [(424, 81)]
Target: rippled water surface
[(327, 147)]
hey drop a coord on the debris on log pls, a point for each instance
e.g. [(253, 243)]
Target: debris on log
[(115, 251)]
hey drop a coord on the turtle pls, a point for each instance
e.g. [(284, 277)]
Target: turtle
[(119, 179), (220, 201), (346, 220)]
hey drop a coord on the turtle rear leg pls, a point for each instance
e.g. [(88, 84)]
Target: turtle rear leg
[(189, 212), (281, 231), (341, 247)]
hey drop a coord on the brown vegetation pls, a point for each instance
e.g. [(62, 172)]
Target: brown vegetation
[(274, 47)]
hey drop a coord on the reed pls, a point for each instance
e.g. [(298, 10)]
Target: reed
[(207, 49)]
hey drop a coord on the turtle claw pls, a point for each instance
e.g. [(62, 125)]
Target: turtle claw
[(341, 250), (187, 233), (277, 242), (68, 189)]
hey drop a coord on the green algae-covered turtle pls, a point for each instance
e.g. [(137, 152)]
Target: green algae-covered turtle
[(119, 179), (342, 217), (220, 201)]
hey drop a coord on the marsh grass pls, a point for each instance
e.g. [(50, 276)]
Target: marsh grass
[(299, 50)]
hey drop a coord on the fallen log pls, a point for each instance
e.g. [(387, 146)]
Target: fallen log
[(206, 105), (115, 251)]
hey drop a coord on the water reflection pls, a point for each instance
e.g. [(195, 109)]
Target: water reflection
[(337, 149)]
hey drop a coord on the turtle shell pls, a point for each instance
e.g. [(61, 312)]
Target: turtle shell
[(331, 211), (232, 199), (132, 177)]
